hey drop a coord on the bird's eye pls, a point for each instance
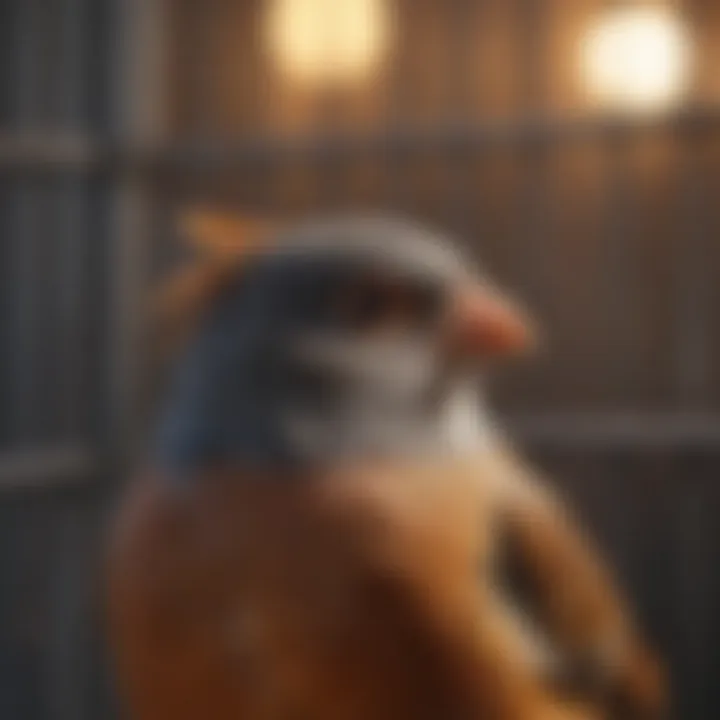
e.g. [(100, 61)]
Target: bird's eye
[(376, 304)]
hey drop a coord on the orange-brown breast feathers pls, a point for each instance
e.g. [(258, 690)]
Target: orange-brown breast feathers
[(333, 596)]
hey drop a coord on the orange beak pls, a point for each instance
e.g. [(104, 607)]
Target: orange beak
[(485, 324)]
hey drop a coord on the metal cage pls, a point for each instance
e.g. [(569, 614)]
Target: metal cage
[(115, 114)]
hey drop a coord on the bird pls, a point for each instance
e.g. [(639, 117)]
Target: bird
[(315, 531)]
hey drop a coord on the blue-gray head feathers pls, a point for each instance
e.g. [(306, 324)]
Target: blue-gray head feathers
[(325, 344)]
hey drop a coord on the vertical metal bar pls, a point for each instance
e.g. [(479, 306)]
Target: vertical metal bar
[(532, 17), (620, 286), (21, 353), (71, 332), (463, 32), (9, 40), (397, 107), (693, 280), (619, 294), (200, 87), (25, 87), (71, 207), (138, 110), (74, 32), (47, 51), (691, 527), (462, 161), (68, 660), (45, 341), (20, 232), (533, 201), (6, 307)]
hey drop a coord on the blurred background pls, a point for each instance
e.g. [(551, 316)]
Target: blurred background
[(574, 144)]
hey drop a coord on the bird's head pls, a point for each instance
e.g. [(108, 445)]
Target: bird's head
[(339, 336)]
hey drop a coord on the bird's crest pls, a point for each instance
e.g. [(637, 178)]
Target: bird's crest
[(221, 243)]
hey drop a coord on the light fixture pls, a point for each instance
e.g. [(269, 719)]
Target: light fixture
[(637, 58), (327, 42)]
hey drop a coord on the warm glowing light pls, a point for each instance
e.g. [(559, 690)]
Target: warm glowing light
[(324, 42), (637, 58)]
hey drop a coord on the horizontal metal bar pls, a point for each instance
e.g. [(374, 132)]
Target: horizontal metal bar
[(618, 431), (32, 151), (38, 152), (43, 467), (220, 154), (67, 465)]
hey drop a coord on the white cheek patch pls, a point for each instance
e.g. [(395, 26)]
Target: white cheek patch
[(395, 368)]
